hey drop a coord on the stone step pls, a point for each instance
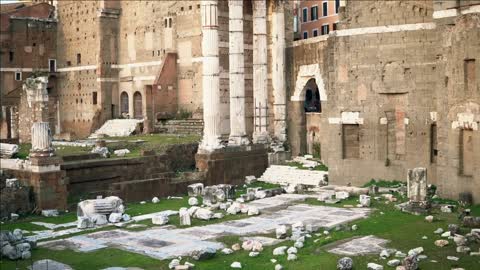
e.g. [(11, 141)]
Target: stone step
[(279, 174)]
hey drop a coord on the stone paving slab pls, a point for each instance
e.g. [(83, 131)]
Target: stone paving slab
[(166, 243), (360, 246)]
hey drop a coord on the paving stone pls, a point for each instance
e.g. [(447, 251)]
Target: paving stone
[(360, 246), (49, 265)]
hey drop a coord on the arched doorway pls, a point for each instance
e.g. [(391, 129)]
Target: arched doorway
[(137, 105), (306, 101), (312, 97), (124, 104)]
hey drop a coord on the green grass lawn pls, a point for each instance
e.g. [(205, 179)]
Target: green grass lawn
[(320, 167), (405, 231), (136, 143)]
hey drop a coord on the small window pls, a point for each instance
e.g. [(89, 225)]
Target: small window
[(305, 35), (170, 23), (325, 9), (315, 32), (314, 13), (18, 76), (337, 6), (69, 63), (181, 9), (10, 56), (335, 26), (94, 98), (325, 29), (190, 7), (52, 65), (79, 58), (305, 15)]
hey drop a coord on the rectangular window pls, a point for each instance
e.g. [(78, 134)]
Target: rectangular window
[(314, 13), (10, 56), (351, 141), (325, 9), (52, 65), (305, 15), (433, 143), (305, 35), (325, 29), (335, 26), (69, 63), (79, 59), (470, 76), (94, 98), (337, 6), (315, 32), (18, 76), (466, 152)]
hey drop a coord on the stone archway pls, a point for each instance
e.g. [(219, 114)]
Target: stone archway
[(307, 97), (137, 105), (305, 74)]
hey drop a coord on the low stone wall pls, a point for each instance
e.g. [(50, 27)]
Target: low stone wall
[(230, 165), (187, 127), (168, 184), (18, 200), (108, 176)]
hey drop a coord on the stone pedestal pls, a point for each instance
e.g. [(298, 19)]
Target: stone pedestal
[(418, 202), (48, 182), (230, 165)]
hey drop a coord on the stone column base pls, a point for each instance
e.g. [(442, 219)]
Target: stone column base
[(230, 165)]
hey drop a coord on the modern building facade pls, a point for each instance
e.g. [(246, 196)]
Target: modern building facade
[(318, 17)]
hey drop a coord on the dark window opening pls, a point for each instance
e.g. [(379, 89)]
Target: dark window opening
[(170, 23), (124, 103), (305, 35), (52, 65), (10, 56), (312, 101), (18, 76), (315, 33), (325, 29), (94, 98), (337, 5), (470, 76), (325, 9), (69, 63), (314, 13), (79, 58), (305, 15), (335, 26), (433, 143)]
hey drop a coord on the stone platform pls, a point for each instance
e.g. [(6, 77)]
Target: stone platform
[(167, 242), (230, 165)]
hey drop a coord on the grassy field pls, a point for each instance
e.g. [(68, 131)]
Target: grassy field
[(155, 142), (405, 231)]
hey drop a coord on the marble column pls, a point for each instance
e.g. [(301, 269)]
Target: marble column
[(260, 72), (13, 122), (238, 128), (278, 71), (41, 138), (210, 76)]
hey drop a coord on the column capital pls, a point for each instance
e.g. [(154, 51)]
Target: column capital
[(235, 3)]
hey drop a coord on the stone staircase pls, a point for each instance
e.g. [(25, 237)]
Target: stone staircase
[(117, 128), (284, 175), (185, 127)]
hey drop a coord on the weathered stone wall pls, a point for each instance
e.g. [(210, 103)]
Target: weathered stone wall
[(397, 97), (97, 176)]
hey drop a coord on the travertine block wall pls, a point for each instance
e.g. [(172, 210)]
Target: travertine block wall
[(397, 84)]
